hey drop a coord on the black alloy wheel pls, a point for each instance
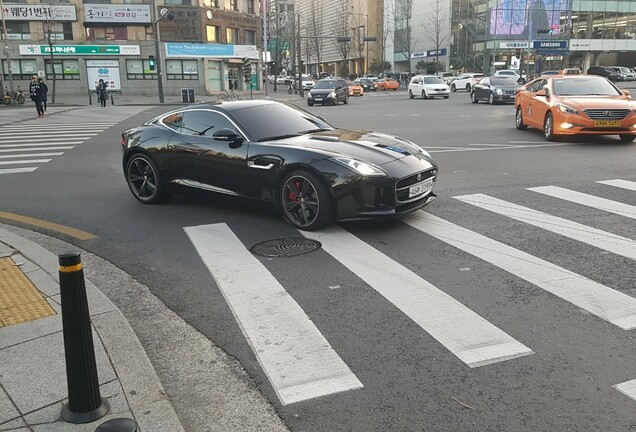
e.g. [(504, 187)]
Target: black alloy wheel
[(548, 127), (625, 138), (305, 201), (519, 119), (473, 98), (144, 180)]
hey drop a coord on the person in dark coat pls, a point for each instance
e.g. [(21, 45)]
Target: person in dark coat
[(101, 92), (36, 94), (45, 91)]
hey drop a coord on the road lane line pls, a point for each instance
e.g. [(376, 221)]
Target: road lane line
[(37, 149), (30, 155), (48, 138), (25, 161), (471, 338), (78, 234), (17, 170), (628, 388), (604, 302), (585, 234), (298, 360), (40, 144), (630, 185), (598, 203)]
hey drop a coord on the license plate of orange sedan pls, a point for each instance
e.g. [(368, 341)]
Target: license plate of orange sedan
[(420, 188), (607, 123)]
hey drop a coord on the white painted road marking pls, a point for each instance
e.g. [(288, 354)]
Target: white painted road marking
[(25, 161), (52, 141), (610, 206), (628, 388), (37, 149), (474, 340), (630, 185), (30, 155), (48, 137), (294, 355), (592, 236), (39, 145), (606, 303), (17, 170)]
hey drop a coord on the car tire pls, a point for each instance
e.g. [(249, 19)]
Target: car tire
[(411, 94), (473, 98), (305, 201), (335, 101), (519, 119), (310, 103), (453, 88), (548, 127), (346, 101), (491, 99), (521, 81), (144, 180), (625, 138), (468, 87), (445, 97)]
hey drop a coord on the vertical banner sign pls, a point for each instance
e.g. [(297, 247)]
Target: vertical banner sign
[(108, 70)]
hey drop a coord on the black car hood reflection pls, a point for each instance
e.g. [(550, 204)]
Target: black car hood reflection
[(374, 147), (321, 92)]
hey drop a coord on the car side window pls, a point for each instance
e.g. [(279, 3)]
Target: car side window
[(205, 123), (173, 121)]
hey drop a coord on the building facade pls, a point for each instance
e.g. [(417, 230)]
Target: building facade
[(78, 42)]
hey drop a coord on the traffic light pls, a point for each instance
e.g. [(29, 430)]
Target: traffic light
[(247, 69), (151, 63)]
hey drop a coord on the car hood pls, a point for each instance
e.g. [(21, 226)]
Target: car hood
[(598, 102), (436, 86), (506, 87), (374, 147), (322, 92)]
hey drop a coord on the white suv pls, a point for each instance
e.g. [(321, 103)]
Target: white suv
[(509, 73), (465, 81), (428, 86)]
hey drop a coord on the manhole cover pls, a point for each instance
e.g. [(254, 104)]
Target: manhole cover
[(287, 247)]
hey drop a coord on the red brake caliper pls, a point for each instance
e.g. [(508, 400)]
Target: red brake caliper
[(292, 196)]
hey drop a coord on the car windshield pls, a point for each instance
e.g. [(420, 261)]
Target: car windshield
[(584, 87), (366, 81), (276, 121), (503, 81), (329, 84), (433, 80)]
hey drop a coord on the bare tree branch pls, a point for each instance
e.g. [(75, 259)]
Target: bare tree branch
[(435, 24), (340, 28), (403, 41)]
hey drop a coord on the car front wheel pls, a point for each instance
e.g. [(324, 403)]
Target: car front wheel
[(305, 201), (491, 99), (453, 88), (548, 128), (144, 180), (519, 119), (625, 138), (411, 94), (473, 98), (467, 87), (424, 95)]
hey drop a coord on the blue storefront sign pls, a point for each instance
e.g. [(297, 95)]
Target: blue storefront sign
[(429, 53), (552, 45), (176, 49)]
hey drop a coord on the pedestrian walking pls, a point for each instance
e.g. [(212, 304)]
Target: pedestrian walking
[(45, 91), (36, 94), (101, 92)]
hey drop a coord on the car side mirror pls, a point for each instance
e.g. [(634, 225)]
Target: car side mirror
[(543, 93), (228, 135), (627, 93)]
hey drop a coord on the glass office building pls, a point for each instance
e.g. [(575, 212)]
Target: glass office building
[(537, 35)]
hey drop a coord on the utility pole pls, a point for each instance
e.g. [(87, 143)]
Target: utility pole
[(155, 24), (6, 48), (299, 57), (265, 5)]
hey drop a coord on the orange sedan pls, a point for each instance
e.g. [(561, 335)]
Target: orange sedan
[(355, 89), (387, 84), (563, 105)]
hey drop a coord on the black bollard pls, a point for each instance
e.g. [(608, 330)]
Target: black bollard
[(85, 403), (118, 425), (112, 101)]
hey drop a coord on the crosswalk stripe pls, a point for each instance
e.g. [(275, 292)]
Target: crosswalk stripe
[(54, 141), (52, 133), (52, 145), (474, 340), (30, 155), (25, 161), (54, 125), (48, 138), (32, 128), (17, 170), (298, 360), (604, 204), (630, 185), (592, 236), (628, 388), (606, 303), (3, 150)]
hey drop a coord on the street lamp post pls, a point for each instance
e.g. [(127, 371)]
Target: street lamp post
[(6, 48), (155, 25)]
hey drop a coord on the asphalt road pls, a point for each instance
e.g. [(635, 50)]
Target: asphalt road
[(502, 271)]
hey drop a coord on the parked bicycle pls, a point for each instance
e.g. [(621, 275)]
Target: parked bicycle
[(17, 98), (227, 95)]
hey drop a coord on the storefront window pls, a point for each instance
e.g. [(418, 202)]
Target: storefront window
[(67, 69), (20, 69), (139, 70), (182, 70)]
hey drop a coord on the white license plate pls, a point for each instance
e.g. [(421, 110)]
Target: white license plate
[(421, 188), (318, 99)]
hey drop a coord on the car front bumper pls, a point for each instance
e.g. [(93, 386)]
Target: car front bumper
[(571, 124)]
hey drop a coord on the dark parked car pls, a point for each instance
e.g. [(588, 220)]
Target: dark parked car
[(606, 72), (494, 90), (329, 91), (278, 154)]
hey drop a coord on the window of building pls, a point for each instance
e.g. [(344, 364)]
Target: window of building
[(97, 1), (17, 31), (234, 5), (134, 1), (250, 6), (182, 70), (106, 33), (213, 33), (232, 35), (139, 70), (22, 69), (178, 2), (250, 37), (57, 1), (58, 31), (67, 69), (211, 3)]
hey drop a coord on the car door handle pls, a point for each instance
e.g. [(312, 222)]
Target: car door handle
[(251, 164)]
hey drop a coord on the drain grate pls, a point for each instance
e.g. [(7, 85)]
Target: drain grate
[(287, 247)]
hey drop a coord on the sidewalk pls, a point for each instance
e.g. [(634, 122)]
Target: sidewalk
[(206, 390)]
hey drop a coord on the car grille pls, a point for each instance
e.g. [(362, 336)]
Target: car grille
[(606, 114), (402, 186), (510, 92)]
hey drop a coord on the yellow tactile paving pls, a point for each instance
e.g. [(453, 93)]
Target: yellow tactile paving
[(20, 301)]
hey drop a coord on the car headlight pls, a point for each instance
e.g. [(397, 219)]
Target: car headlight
[(566, 109), (499, 91), (332, 94), (363, 168)]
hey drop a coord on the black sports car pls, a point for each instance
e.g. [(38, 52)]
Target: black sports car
[(279, 154), (494, 90)]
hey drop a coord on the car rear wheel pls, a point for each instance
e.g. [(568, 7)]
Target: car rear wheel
[(411, 94), (346, 101), (144, 180), (519, 119), (473, 98), (467, 87), (627, 137), (453, 88), (305, 201), (548, 127)]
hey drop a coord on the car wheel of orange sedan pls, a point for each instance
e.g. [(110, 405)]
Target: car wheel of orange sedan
[(627, 137), (548, 128), (519, 119)]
